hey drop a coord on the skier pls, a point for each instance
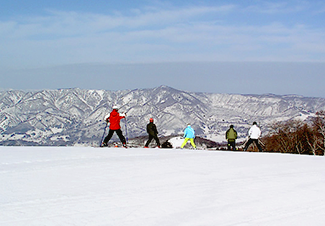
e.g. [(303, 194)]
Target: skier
[(231, 136), (114, 119), (253, 134), (189, 134), (153, 133)]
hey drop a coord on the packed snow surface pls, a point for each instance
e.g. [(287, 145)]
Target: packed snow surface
[(121, 187)]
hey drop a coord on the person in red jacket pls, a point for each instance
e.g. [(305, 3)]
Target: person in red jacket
[(114, 119)]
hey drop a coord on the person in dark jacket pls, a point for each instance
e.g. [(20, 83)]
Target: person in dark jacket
[(114, 119), (153, 133), (231, 136)]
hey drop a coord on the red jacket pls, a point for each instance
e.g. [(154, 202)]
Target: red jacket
[(114, 119)]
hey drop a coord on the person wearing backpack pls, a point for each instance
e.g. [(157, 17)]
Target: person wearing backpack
[(231, 136)]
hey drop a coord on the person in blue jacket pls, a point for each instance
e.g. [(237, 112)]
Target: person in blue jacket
[(189, 134)]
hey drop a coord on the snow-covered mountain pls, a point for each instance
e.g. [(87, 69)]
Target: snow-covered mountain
[(75, 116)]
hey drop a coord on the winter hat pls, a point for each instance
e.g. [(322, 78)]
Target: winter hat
[(115, 107)]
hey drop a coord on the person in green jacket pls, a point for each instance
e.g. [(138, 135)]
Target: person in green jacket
[(231, 136), (153, 133)]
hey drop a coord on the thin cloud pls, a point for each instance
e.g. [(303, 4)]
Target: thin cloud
[(74, 23), (191, 33), (268, 7)]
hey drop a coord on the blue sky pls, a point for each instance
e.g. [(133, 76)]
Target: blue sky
[(249, 47)]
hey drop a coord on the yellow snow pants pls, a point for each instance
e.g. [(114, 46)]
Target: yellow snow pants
[(185, 141)]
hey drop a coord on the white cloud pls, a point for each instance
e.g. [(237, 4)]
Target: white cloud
[(274, 7), (73, 23), (194, 33)]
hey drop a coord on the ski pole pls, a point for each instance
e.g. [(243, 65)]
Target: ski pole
[(101, 141), (126, 130), (261, 142), (244, 144)]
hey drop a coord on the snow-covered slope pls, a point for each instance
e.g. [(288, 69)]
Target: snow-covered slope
[(74, 116), (166, 187)]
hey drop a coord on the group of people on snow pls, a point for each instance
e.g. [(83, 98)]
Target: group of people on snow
[(115, 117), (253, 134)]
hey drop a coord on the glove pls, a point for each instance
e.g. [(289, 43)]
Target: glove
[(106, 118)]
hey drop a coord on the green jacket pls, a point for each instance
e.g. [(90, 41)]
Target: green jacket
[(231, 134)]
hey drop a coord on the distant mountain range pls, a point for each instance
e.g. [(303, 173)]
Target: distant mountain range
[(75, 116)]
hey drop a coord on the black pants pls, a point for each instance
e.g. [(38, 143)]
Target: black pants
[(251, 141), (231, 145), (150, 139), (119, 134)]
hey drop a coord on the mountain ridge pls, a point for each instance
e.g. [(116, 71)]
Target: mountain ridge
[(75, 116)]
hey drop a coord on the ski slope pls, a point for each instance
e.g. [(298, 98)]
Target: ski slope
[(57, 186)]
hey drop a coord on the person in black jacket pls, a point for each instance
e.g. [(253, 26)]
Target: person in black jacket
[(153, 133)]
